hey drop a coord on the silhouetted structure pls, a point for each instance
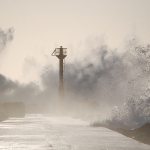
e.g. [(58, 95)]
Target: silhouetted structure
[(61, 53), (14, 109)]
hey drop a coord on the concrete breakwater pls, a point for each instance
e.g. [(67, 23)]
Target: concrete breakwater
[(11, 110), (141, 134)]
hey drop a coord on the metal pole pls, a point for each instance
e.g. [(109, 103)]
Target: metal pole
[(61, 54), (61, 70)]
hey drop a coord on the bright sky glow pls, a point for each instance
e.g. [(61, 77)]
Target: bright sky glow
[(42, 25)]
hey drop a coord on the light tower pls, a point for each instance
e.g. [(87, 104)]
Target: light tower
[(61, 53)]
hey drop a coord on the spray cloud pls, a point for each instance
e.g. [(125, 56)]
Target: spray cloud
[(102, 74)]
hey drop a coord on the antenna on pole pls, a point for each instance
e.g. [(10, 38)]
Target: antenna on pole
[(61, 53)]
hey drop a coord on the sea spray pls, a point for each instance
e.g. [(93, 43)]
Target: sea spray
[(135, 111), (111, 78)]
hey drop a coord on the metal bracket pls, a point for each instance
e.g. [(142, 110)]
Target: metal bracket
[(53, 53)]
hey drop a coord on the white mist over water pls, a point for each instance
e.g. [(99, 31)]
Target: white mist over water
[(135, 110)]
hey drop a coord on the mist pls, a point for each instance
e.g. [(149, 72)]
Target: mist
[(6, 36), (102, 83)]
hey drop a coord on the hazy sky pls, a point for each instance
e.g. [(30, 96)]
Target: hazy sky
[(42, 25)]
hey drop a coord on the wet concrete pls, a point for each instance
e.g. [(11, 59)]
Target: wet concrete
[(38, 132), (141, 134)]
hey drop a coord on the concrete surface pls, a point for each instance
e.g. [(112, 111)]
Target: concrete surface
[(38, 132)]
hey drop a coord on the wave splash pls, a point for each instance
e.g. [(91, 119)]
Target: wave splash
[(135, 110)]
